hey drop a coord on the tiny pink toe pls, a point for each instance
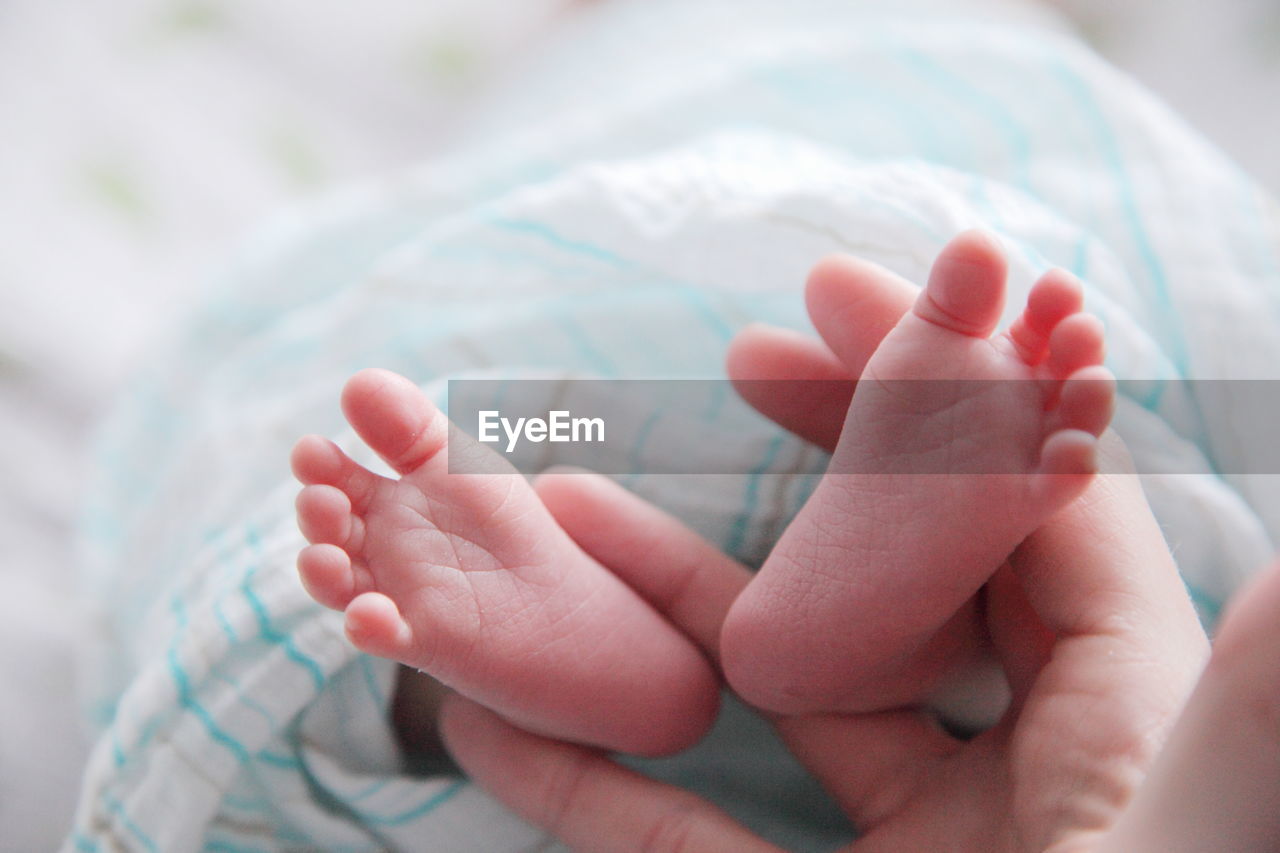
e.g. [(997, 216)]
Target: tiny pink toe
[(324, 515), (394, 418), (1068, 453), (325, 571), (374, 625), (1076, 342), (314, 460), (1068, 461), (1087, 400), (966, 287), (1056, 296), (318, 461)]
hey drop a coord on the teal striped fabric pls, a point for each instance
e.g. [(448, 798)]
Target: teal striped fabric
[(666, 176)]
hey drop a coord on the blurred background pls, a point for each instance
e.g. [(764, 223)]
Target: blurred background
[(141, 140)]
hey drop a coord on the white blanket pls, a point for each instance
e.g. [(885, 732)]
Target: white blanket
[(627, 208)]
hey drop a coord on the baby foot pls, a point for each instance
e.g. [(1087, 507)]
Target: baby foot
[(932, 485), (467, 577)]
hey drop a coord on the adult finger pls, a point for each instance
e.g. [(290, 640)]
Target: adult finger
[(870, 763), (1101, 569), (1126, 650), (792, 379), (684, 577), (1216, 786), (580, 796), (853, 304)]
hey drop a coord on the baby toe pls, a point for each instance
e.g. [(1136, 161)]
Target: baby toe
[(326, 574), (966, 288), (318, 461), (324, 515), (374, 626), (1067, 455), (1056, 296), (1087, 400), (1076, 342), (394, 418)]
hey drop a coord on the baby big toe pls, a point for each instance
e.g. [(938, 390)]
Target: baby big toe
[(965, 293), (394, 418)]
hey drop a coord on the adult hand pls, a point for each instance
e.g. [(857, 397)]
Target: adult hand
[(1089, 622)]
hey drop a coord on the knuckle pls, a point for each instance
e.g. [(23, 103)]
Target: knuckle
[(562, 791), (673, 830)]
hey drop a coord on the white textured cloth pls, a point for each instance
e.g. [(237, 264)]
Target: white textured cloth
[(620, 213)]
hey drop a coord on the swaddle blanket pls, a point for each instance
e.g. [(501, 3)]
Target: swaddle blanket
[(670, 175)]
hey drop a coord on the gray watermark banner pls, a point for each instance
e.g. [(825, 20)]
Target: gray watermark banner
[(946, 427)]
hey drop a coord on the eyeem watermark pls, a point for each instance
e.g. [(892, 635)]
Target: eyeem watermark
[(558, 426), (702, 426)]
